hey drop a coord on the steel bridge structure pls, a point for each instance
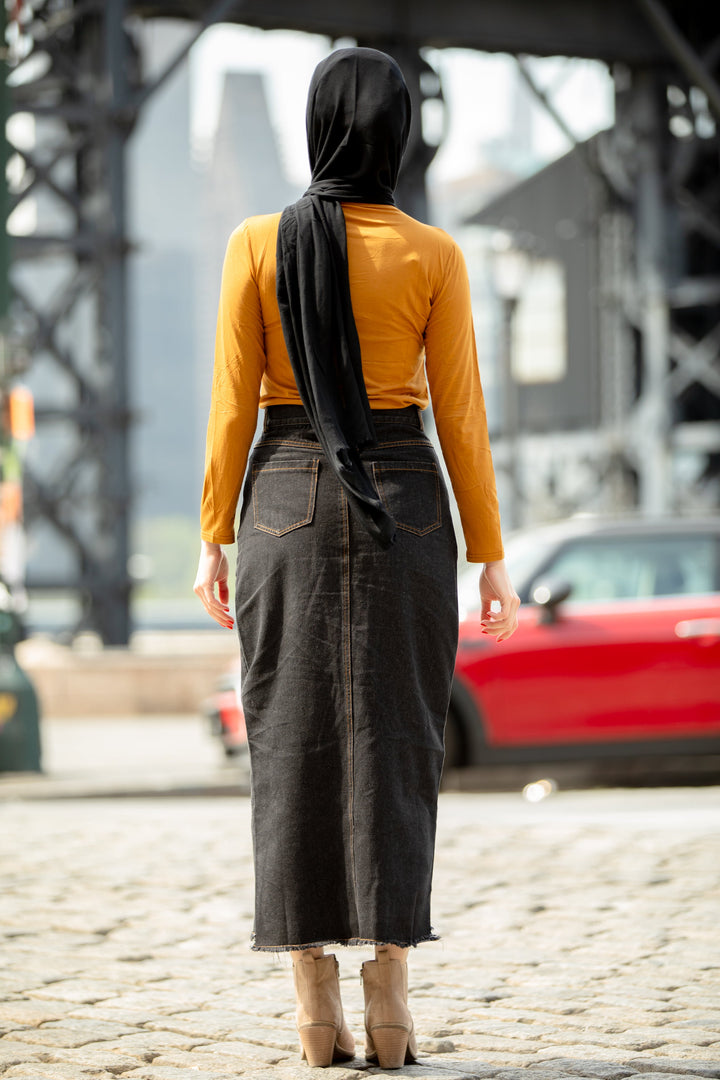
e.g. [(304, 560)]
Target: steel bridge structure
[(78, 73)]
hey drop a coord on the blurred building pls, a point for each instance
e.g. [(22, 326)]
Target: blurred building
[(181, 215), (164, 192), (553, 216), (551, 369), (505, 161), (244, 176)]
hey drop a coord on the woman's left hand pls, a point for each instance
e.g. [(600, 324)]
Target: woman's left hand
[(496, 586), (212, 568)]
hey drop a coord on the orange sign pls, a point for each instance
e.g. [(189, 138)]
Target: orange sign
[(22, 413)]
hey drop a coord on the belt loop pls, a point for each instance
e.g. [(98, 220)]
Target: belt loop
[(421, 425)]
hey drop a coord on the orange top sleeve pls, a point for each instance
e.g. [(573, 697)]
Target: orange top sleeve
[(239, 366), (459, 409), (411, 300)]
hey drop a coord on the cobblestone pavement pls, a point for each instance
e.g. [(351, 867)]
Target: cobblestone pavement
[(580, 939)]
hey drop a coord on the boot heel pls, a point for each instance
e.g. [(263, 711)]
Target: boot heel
[(390, 1044), (390, 1036), (324, 1035), (318, 1043)]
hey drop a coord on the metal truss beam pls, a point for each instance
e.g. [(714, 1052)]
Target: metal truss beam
[(678, 46), (217, 12), (612, 30), (80, 494), (658, 239), (85, 102)]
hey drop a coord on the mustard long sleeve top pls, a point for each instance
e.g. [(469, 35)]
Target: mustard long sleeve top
[(411, 300)]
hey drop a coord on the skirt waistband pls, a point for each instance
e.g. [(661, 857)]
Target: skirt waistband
[(290, 415)]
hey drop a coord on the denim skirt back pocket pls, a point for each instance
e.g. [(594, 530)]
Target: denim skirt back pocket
[(283, 494), (411, 493)]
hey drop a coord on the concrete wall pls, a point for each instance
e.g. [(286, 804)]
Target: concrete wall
[(157, 674)]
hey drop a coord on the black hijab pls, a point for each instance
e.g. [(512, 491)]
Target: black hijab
[(358, 118)]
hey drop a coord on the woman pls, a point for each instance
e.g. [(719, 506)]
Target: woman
[(334, 317)]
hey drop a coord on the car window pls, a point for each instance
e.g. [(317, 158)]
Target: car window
[(524, 552), (618, 568)]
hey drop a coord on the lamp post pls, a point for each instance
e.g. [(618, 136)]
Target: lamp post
[(510, 265)]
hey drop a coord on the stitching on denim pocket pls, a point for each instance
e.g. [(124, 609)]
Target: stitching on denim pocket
[(409, 467), (402, 442), (282, 441), (312, 468)]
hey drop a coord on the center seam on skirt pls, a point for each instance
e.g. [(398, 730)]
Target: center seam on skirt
[(347, 665)]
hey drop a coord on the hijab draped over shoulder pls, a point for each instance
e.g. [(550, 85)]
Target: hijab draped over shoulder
[(358, 118)]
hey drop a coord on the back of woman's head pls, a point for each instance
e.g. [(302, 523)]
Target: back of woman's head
[(358, 118)]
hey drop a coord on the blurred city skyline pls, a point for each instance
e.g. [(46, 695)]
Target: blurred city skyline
[(480, 91)]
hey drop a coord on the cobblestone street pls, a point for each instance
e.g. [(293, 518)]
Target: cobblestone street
[(580, 939)]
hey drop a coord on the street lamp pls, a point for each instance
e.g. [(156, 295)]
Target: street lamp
[(510, 266)]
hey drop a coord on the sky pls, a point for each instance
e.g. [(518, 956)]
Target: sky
[(477, 86)]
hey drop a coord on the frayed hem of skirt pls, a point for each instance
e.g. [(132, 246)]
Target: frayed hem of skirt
[(344, 941)]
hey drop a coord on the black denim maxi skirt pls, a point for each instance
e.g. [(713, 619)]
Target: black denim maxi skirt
[(347, 655)]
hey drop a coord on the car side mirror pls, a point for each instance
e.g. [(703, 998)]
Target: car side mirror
[(548, 594)]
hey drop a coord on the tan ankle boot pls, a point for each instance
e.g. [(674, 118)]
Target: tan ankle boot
[(324, 1035), (389, 1030)]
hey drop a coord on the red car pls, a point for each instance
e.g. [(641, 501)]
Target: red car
[(224, 711), (617, 652)]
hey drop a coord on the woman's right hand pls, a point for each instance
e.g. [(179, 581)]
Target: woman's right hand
[(495, 585), (212, 568)]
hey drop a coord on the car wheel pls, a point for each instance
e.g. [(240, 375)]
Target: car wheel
[(455, 747), (467, 744)]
